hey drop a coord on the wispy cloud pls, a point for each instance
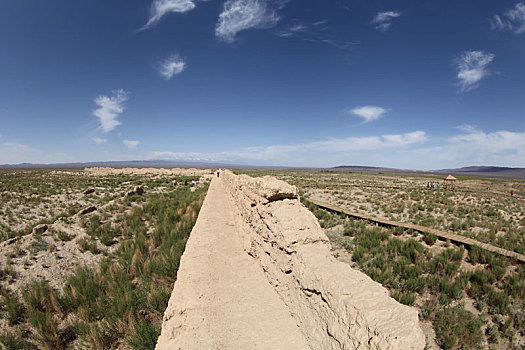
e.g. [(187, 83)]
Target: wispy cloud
[(293, 29), (18, 147), (472, 66), (12, 152), (368, 113), (369, 143), (159, 8), (472, 146), (495, 142), (411, 150), (238, 15), (109, 109), (475, 146), (468, 128), (131, 144), (171, 66), (316, 32), (99, 140), (329, 150), (383, 20), (513, 19)]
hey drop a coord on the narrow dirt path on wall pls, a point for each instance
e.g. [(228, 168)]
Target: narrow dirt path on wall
[(222, 299)]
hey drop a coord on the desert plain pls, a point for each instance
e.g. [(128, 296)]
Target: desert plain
[(466, 297), (89, 258)]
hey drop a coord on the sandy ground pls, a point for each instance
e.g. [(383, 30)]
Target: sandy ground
[(232, 304)]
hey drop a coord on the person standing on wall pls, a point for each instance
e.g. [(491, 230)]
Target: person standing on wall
[(217, 172)]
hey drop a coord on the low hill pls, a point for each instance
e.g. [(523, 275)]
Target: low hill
[(485, 171), (489, 171)]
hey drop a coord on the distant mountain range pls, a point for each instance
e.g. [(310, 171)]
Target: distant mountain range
[(483, 171), (158, 163), (116, 164), (491, 171)]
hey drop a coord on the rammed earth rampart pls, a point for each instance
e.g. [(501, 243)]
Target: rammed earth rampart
[(258, 273)]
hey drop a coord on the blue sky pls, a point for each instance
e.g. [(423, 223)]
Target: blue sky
[(407, 84)]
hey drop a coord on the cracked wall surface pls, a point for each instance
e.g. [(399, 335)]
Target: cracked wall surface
[(258, 273), (335, 306)]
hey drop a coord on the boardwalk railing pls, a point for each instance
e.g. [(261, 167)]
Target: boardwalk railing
[(443, 234)]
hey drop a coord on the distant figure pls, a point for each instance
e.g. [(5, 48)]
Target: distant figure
[(193, 182), (512, 193), (186, 182), (217, 172), (197, 182), (174, 183)]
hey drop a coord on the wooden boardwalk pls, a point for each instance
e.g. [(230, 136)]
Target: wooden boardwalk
[(443, 234)]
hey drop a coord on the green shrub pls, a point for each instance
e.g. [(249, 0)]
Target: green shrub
[(15, 341), (144, 335), (87, 244), (457, 328), (64, 236), (479, 255), (46, 327), (429, 309), (37, 245), (123, 299), (429, 238), (497, 301), (404, 298), (15, 310)]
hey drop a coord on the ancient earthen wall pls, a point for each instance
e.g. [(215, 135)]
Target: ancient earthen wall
[(258, 273), (100, 171), (335, 306)]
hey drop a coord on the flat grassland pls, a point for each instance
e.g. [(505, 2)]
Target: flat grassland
[(89, 261), (466, 297)]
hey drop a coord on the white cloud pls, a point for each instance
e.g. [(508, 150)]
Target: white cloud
[(159, 8), (171, 66), (323, 152), (411, 150), (99, 140), (491, 143), (513, 20), (293, 29), (18, 147), (474, 146), (316, 32), (383, 20), (109, 109), (472, 67), (368, 113), (238, 15), (131, 144), (15, 153), (368, 143), (467, 145), (467, 128)]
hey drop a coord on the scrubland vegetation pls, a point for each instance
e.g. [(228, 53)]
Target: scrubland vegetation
[(479, 208), (119, 301), (41, 197), (473, 299)]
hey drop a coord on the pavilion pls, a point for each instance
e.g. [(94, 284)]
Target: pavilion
[(450, 183)]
